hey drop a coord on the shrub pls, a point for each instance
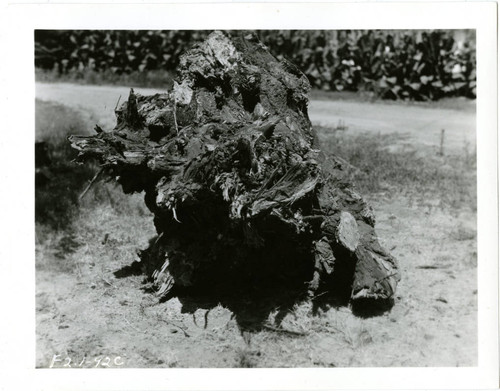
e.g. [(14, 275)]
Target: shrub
[(395, 64)]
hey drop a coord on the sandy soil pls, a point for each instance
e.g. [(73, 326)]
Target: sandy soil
[(93, 310)]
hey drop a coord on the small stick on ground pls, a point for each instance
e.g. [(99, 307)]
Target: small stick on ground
[(441, 144), (181, 328), (107, 282), (96, 176), (134, 328), (319, 295), (79, 269), (173, 324), (282, 330)]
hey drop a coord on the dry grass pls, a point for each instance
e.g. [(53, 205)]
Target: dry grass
[(58, 185), (61, 217), (387, 164)]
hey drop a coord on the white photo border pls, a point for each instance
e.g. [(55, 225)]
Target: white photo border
[(17, 283)]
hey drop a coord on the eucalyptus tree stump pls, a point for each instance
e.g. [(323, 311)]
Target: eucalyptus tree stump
[(232, 171)]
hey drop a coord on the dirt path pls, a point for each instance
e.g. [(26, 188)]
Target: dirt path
[(420, 124)]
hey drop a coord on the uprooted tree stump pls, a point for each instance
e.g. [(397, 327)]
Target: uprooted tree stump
[(231, 169)]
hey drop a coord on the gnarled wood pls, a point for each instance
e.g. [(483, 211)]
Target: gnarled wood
[(231, 169)]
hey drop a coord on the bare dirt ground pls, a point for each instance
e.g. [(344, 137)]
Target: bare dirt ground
[(93, 308)]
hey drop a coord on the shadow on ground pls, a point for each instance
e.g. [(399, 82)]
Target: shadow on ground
[(253, 302)]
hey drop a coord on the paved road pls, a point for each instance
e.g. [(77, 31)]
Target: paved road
[(421, 124)]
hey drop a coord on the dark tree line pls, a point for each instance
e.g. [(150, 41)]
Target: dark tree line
[(393, 64)]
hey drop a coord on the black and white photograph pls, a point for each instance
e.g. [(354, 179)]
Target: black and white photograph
[(262, 198)]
